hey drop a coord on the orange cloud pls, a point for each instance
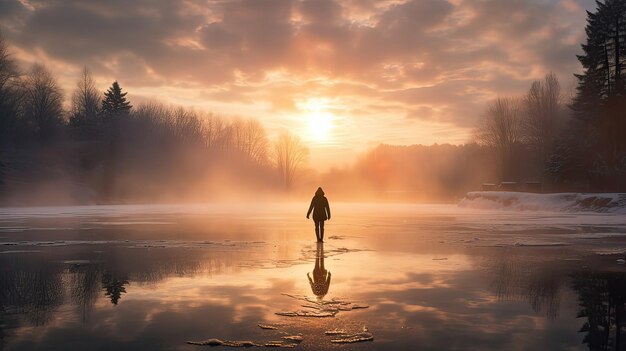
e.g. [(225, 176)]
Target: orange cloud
[(393, 68)]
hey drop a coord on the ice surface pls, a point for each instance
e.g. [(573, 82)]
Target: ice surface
[(209, 342), (321, 308), (293, 338), (539, 244), (268, 327), (302, 313), (245, 343), (19, 251), (352, 338), (346, 338), (137, 243), (336, 332)]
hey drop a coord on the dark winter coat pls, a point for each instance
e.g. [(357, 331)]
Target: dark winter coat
[(320, 207)]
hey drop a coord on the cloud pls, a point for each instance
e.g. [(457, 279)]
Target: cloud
[(430, 59)]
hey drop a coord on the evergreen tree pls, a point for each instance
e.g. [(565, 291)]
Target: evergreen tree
[(115, 102), (114, 105), (603, 59), (114, 287), (601, 298), (600, 104)]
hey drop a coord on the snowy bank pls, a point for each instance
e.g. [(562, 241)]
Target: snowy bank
[(574, 202)]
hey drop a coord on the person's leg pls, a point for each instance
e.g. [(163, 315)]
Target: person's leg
[(321, 230), (317, 230)]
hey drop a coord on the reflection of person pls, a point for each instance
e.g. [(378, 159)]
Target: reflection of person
[(321, 277), (321, 212)]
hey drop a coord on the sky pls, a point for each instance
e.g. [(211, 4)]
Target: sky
[(344, 75)]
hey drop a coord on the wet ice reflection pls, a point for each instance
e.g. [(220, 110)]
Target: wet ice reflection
[(438, 293)]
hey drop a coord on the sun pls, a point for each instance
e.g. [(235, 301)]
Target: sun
[(319, 120), (320, 124)]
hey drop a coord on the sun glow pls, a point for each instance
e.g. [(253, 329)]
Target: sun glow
[(320, 124), (319, 120)]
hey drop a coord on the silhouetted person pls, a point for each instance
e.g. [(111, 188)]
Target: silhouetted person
[(321, 212), (321, 277)]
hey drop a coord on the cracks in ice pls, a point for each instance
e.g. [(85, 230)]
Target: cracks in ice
[(320, 308)]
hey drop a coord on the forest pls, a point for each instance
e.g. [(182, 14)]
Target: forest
[(102, 149)]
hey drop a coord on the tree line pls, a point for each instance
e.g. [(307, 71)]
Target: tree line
[(578, 144), (102, 147), (542, 136), (522, 131)]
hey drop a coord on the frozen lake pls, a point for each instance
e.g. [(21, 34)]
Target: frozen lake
[(427, 277)]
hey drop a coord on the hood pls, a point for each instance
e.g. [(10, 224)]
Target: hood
[(319, 192)]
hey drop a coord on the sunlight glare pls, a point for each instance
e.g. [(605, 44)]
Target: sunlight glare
[(320, 124), (319, 120)]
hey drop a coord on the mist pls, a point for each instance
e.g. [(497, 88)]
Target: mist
[(102, 149), (92, 147), (87, 146)]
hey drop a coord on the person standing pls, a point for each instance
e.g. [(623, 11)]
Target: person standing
[(321, 213)]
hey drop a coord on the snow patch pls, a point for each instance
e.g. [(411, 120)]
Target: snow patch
[(569, 202)]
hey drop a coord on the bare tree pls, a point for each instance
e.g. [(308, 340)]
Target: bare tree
[(542, 109), (255, 141), (214, 132), (501, 128), (85, 100), (10, 94), (42, 102), (248, 137), (236, 131), (171, 126), (290, 154), (186, 126), (8, 68)]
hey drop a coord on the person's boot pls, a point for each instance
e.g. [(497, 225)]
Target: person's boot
[(317, 233), (321, 238)]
